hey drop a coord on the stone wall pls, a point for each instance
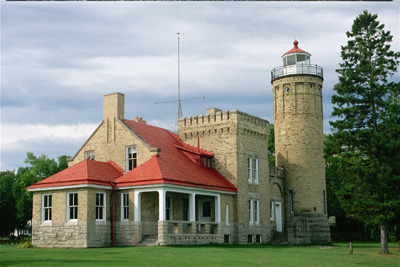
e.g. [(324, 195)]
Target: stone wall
[(306, 228), (86, 231)]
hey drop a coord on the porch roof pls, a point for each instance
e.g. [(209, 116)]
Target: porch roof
[(84, 172)]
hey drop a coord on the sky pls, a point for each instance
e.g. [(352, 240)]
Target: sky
[(58, 59)]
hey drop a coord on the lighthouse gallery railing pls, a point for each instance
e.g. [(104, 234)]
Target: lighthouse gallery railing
[(297, 69)]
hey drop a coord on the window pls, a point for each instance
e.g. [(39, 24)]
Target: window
[(131, 158), (301, 58), (207, 162), (258, 238), (72, 205), (271, 211), (168, 208), (250, 238), (227, 214), (291, 60), (46, 207), (100, 206), (324, 200), (186, 209), (89, 154), (256, 211), (291, 201), (255, 169), (125, 206), (227, 239), (251, 211), (249, 169)]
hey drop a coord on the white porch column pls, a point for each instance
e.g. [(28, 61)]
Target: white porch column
[(192, 207), (137, 206), (217, 209), (161, 204)]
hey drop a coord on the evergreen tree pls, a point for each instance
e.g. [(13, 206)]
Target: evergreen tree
[(366, 132), (271, 146)]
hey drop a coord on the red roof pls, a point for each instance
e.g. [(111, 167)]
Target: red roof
[(296, 49), (171, 166), (84, 172), (177, 163)]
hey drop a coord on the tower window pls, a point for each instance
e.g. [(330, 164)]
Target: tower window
[(287, 89), (249, 169), (291, 201)]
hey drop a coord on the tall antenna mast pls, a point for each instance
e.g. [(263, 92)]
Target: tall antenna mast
[(179, 114)]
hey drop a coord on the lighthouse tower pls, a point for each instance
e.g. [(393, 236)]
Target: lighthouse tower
[(298, 118)]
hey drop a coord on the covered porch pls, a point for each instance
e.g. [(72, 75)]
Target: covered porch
[(178, 215)]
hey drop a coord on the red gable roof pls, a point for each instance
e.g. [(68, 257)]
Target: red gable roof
[(84, 172), (177, 164), (296, 49), (171, 166)]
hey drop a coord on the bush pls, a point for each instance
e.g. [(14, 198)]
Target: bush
[(26, 244)]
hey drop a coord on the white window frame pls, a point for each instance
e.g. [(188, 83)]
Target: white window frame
[(73, 205), (251, 211), (250, 169), (48, 207), (124, 207), (227, 214), (272, 210), (101, 206), (255, 169), (257, 211), (127, 159), (89, 154)]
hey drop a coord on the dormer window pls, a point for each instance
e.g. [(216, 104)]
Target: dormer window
[(207, 162), (89, 154), (131, 158)]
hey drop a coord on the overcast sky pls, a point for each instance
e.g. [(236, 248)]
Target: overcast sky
[(58, 59)]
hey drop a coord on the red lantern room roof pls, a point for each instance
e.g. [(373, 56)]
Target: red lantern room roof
[(296, 49)]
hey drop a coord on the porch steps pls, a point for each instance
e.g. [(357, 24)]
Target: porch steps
[(149, 241), (279, 238)]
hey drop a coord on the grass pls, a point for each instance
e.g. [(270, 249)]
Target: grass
[(365, 254)]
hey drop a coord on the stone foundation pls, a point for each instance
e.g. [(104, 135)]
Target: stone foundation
[(308, 228)]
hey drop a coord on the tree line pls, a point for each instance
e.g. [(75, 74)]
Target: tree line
[(15, 200)]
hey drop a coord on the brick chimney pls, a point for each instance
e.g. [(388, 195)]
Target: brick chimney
[(114, 106)]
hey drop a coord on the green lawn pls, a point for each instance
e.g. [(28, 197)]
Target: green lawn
[(365, 254)]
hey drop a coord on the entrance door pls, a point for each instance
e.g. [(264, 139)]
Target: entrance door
[(205, 210), (278, 215)]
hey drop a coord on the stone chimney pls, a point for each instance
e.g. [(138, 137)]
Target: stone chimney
[(140, 120), (114, 106)]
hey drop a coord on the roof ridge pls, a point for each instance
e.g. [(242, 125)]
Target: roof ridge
[(116, 166)]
